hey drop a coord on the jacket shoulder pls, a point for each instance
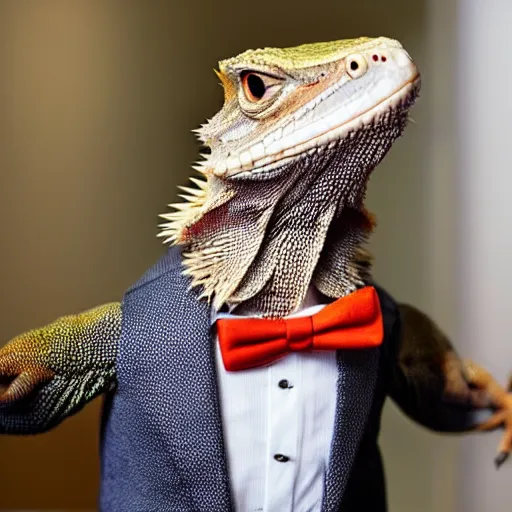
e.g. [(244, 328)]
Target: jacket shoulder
[(170, 262), (391, 317), (387, 303)]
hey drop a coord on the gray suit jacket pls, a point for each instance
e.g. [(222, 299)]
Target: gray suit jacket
[(162, 439)]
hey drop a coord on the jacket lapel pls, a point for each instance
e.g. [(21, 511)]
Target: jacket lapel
[(196, 441), (357, 376)]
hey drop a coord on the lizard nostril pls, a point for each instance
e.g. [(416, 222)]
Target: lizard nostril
[(383, 58), (375, 58)]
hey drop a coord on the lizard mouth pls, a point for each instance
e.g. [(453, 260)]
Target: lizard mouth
[(270, 165)]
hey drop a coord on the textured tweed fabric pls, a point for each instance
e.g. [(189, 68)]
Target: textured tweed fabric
[(163, 447)]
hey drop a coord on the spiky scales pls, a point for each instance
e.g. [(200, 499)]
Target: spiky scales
[(280, 205)]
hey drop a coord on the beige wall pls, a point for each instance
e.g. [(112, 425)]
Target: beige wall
[(96, 103)]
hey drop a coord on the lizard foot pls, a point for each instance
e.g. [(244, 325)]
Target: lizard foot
[(16, 388), (19, 376), (502, 418), (50, 373), (501, 400)]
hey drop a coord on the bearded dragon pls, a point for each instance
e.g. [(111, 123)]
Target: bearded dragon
[(277, 207)]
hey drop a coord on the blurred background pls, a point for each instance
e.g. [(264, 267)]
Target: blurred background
[(97, 100)]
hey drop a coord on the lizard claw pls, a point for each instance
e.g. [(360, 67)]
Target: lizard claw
[(505, 446), (502, 418), (20, 374), (500, 459), (22, 385), (501, 400)]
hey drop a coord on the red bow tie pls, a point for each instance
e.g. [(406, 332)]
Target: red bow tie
[(352, 322)]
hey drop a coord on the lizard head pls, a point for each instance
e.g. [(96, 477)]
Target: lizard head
[(290, 154), (283, 104)]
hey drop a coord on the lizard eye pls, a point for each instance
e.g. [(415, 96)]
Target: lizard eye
[(259, 87), (356, 65), (254, 86)]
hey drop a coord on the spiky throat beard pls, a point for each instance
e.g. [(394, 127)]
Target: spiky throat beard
[(259, 244)]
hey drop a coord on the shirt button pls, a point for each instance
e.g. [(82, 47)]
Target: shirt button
[(281, 458), (283, 384)]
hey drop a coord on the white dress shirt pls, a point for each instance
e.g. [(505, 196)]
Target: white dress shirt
[(278, 422)]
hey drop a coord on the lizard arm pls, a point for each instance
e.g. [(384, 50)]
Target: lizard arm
[(436, 388), (50, 373)]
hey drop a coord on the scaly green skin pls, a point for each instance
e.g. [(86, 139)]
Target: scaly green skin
[(54, 371)]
